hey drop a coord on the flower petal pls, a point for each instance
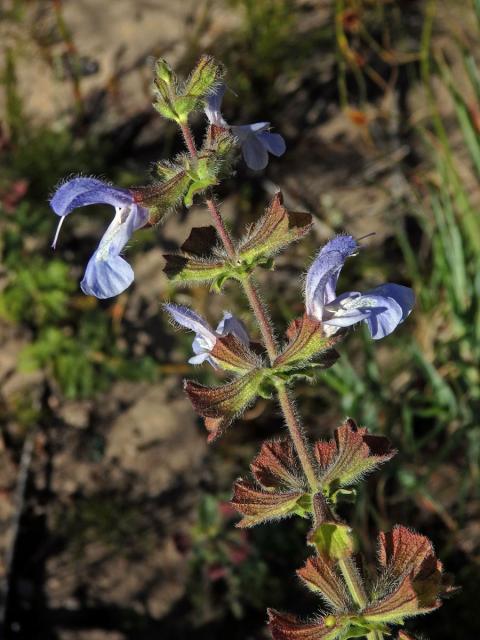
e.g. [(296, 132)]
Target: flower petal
[(404, 296), (107, 274), (382, 314), (201, 347), (254, 153), (214, 105), (191, 320), (273, 142), (243, 131), (324, 271), (200, 358), (230, 324), (80, 192), (106, 278)]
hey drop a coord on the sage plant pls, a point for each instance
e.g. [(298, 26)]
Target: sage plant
[(291, 476)]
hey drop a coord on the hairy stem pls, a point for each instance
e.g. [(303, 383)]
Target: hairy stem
[(189, 141), (356, 589), (266, 328), (220, 226), (261, 315), (353, 581), (296, 433)]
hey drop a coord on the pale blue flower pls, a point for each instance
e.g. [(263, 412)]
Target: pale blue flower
[(205, 336), (107, 273), (256, 140), (382, 308)]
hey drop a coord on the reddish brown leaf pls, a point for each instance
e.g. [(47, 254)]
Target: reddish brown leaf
[(412, 576), (320, 575), (233, 355), (284, 626), (257, 506), (162, 197), (276, 465), (307, 340), (325, 452), (293, 328), (227, 399), (400, 603), (352, 454), (404, 551), (220, 405), (276, 229)]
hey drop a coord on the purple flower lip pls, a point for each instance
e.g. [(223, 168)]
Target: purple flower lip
[(205, 336), (382, 308), (107, 273), (256, 141)]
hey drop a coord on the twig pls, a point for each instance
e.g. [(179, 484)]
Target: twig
[(19, 501)]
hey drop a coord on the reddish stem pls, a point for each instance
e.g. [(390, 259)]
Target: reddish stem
[(189, 141)]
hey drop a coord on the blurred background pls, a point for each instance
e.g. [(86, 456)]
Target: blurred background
[(114, 522)]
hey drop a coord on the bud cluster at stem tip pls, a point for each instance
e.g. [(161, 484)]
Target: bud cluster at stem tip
[(176, 100)]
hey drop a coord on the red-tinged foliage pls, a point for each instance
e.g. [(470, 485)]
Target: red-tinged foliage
[(257, 506), (277, 465), (233, 355), (284, 626), (275, 230), (412, 577), (320, 575), (404, 551), (307, 341), (220, 405), (352, 454)]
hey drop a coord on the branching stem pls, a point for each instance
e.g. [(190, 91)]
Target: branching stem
[(266, 328)]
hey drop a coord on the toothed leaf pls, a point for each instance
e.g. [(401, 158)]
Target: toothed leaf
[(352, 455), (258, 506), (284, 626), (275, 230), (320, 576), (222, 404)]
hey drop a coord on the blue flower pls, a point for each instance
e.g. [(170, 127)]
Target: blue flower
[(255, 140), (107, 273), (382, 308), (205, 336)]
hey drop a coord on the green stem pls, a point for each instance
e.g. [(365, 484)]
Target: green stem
[(266, 328), (356, 589), (353, 581)]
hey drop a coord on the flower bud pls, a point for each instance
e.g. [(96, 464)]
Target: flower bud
[(164, 72), (206, 74)]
